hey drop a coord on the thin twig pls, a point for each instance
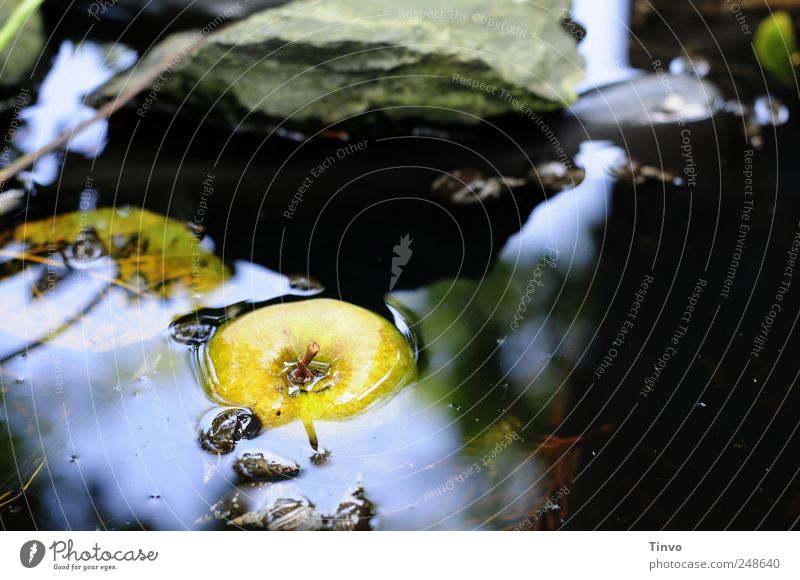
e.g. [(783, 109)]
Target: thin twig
[(104, 112), (4, 502), (57, 331), (28, 257)]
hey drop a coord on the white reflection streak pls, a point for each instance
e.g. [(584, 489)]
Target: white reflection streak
[(566, 221), (605, 47)]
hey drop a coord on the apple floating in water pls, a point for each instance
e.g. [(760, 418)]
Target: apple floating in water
[(314, 359)]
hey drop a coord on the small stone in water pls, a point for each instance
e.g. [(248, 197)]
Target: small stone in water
[(292, 514), (304, 284), (284, 514), (237, 502), (260, 466), (466, 186), (675, 108), (355, 513), (321, 456), (227, 429), (698, 67), (770, 111), (631, 172), (554, 176)]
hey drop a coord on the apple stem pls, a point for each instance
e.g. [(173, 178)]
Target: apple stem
[(312, 434), (303, 373)]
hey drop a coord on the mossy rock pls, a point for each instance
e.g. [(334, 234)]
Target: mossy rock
[(323, 62)]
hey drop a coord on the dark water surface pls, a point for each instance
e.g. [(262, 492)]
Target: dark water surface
[(617, 355)]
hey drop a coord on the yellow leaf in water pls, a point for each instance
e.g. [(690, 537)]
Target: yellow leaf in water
[(97, 280)]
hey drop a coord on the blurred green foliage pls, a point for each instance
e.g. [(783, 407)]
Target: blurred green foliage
[(776, 46)]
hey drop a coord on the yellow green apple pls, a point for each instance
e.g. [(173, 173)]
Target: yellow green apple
[(312, 359)]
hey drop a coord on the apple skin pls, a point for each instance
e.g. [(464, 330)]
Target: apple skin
[(362, 359)]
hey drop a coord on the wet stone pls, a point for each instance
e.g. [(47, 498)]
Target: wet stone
[(293, 515), (301, 284), (375, 73), (769, 111), (237, 502), (554, 176), (284, 514), (467, 186), (262, 466), (227, 429), (661, 99), (631, 172), (321, 456), (695, 66), (355, 513)]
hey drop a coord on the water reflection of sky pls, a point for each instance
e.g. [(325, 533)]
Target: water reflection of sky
[(77, 70), (605, 47), (567, 223), (566, 220)]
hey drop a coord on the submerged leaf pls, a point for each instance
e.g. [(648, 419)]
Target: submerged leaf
[(153, 255), (91, 280)]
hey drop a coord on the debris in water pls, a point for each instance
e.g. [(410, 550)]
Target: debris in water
[(555, 176), (355, 513), (264, 466), (227, 429), (467, 186)]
